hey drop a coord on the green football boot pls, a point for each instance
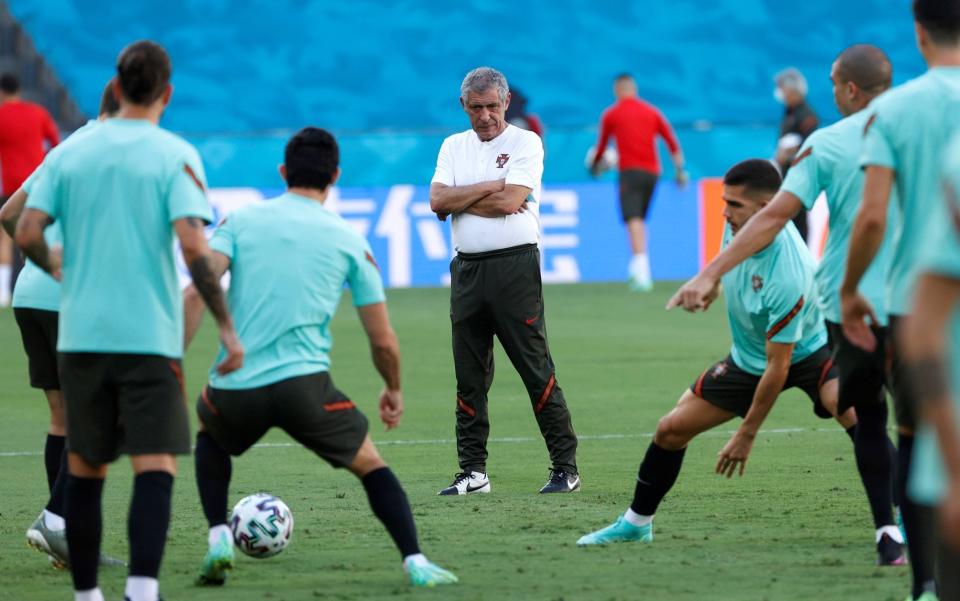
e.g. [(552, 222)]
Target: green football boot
[(620, 531), (54, 544), (216, 563), (428, 574)]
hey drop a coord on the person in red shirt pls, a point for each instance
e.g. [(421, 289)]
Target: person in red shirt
[(635, 125), (24, 127)]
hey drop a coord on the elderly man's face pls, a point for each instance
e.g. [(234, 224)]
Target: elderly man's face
[(486, 113)]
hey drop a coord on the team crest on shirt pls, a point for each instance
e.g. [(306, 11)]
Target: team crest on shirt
[(502, 160), (720, 369), (757, 283)]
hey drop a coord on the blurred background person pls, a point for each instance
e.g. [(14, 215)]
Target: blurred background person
[(517, 113), (799, 121), (24, 127), (635, 125)]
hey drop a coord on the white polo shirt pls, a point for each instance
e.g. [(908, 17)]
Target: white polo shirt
[(516, 155)]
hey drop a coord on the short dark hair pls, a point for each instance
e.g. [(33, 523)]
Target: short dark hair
[(9, 83), (758, 177), (108, 101), (622, 76), (311, 158), (867, 66), (143, 69), (940, 18)]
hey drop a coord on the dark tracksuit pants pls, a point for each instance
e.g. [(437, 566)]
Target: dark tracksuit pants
[(500, 293)]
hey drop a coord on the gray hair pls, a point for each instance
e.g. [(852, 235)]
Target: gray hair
[(482, 79), (792, 79)]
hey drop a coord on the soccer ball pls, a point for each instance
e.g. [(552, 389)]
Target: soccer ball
[(607, 162), (261, 524)]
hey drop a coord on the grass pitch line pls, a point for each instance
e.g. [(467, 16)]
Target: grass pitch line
[(507, 439)]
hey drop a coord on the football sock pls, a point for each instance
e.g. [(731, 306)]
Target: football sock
[(148, 522), (213, 471), (59, 491), (84, 529), (89, 595), (417, 559), (636, 519), (6, 272), (871, 446), (389, 503), (892, 531), (53, 457), (658, 472), (852, 432), (640, 267), (140, 588), (216, 532), (920, 559)]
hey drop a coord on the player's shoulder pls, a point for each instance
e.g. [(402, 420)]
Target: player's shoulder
[(904, 98), (524, 137), (173, 146), (458, 139)]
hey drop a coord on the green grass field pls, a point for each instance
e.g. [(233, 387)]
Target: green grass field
[(795, 527)]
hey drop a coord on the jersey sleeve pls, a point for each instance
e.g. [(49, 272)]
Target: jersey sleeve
[(527, 168), (366, 284), (188, 191), (44, 192), (606, 130), (444, 171), (31, 181), (666, 132), (783, 300), (878, 150), (224, 240), (803, 177), (50, 132)]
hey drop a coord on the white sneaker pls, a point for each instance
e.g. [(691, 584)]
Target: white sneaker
[(467, 483)]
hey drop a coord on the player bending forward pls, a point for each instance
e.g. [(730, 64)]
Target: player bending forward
[(779, 342), (288, 260)]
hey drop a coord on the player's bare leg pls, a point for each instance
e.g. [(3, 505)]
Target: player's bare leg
[(660, 468)]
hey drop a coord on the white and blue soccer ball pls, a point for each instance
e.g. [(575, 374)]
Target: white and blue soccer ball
[(262, 525), (607, 162)]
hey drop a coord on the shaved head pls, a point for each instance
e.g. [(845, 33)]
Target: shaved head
[(865, 66)]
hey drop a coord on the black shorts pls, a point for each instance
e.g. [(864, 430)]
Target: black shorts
[(38, 329), (308, 408), (636, 190), (863, 376), (731, 389), (124, 403), (905, 402)]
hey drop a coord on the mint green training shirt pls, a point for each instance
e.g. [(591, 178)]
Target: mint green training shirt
[(907, 130), (116, 196), (829, 162), (289, 260), (928, 479), (772, 296), (35, 288)]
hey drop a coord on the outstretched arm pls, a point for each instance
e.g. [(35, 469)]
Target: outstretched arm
[(197, 254), (771, 384), (756, 235), (385, 349)]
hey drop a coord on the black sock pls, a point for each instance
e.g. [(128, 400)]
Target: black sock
[(852, 433), (213, 471), (920, 558), (84, 529), (389, 503), (53, 457), (148, 522), (59, 491), (871, 445), (658, 472)]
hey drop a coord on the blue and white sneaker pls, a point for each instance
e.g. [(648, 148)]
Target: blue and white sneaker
[(620, 531), (424, 573)]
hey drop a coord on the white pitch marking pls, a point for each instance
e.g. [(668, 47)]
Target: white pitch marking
[(508, 439)]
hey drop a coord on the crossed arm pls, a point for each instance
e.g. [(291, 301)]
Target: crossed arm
[(493, 198)]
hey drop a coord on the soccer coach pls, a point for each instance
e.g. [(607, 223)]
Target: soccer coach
[(488, 180)]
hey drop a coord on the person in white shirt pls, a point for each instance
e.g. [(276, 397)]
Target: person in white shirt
[(488, 181)]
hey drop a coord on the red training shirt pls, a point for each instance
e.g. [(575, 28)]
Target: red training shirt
[(23, 128), (635, 124)]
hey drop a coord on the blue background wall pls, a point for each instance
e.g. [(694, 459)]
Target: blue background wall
[(385, 75)]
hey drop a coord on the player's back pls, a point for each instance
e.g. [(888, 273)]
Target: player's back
[(23, 127), (635, 125), (771, 297), (290, 259), (907, 131), (116, 196), (833, 153)]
